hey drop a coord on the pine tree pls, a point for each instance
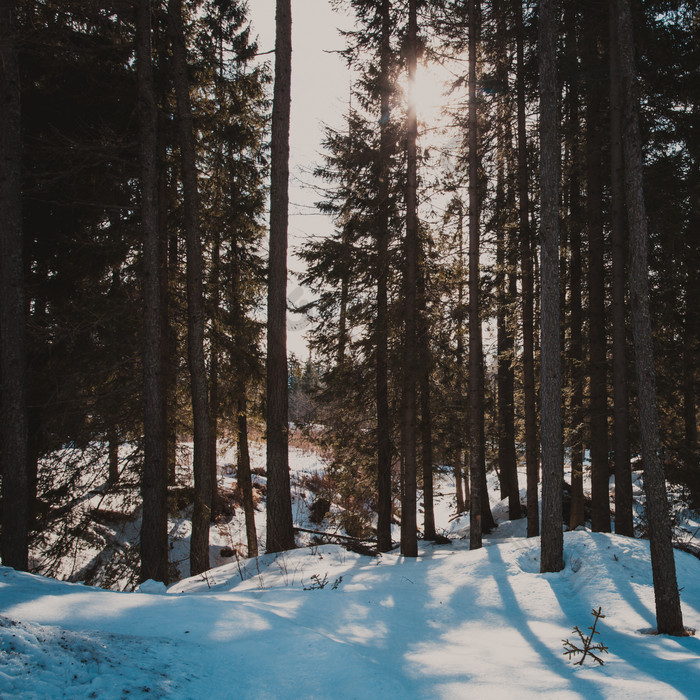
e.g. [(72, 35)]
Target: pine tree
[(280, 529)]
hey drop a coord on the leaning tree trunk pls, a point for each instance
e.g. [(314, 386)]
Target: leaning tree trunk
[(621, 442), (381, 335), (409, 535), (528, 312), (669, 618), (203, 482), (280, 525), (552, 547), (13, 353)]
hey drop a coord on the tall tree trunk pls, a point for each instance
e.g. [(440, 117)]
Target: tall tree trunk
[(243, 476), (280, 525), (154, 485), (621, 440), (409, 535), (600, 473), (475, 340), (576, 515), (13, 347), (668, 606), (203, 485), (507, 457), (382, 379), (214, 346), (552, 553), (528, 306)]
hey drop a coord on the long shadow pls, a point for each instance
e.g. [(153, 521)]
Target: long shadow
[(681, 674), (553, 661)]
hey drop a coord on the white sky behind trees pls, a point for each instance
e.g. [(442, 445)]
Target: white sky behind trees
[(320, 93)]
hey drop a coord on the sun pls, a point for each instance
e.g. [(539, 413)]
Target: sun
[(429, 94)]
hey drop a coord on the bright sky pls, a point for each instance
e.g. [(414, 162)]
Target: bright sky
[(320, 90)]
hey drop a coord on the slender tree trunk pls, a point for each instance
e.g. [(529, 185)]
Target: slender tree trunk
[(112, 456), (280, 525), (154, 485), (621, 440), (426, 425), (475, 349), (668, 606), (13, 347), (576, 515), (203, 485), (215, 295), (598, 408), (244, 477), (552, 554), (461, 481), (528, 312), (409, 535), (382, 380)]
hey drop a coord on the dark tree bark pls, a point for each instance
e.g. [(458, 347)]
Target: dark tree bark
[(507, 458), (112, 456), (669, 618), (215, 297), (382, 379), (203, 483), (13, 348), (621, 442), (243, 476), (154, 485), (528, 305), (461, 480), (475, 340), (426, 424), (552, 552), (598, 407), (576, 515), (280, 525), (409, 536)]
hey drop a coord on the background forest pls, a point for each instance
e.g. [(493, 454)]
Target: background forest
[(139, 150)]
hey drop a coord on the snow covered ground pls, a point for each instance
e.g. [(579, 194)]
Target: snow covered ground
[(322, 622)]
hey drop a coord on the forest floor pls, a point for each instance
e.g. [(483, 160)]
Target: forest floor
[(323, 622)]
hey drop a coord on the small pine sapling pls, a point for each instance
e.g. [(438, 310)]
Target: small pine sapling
[(588, 648)]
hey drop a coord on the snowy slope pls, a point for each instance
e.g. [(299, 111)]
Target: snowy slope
[(451, 624)]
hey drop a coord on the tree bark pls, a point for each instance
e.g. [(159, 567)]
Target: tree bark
[(382, 339), (409, 535), (598, 407), (576, 515), (426, 424), (154, 525), (280, 526), (475, 340), (668, 606), (243, 476), (13, 344), (552, 456), (203, 484), (528, 306), (621, 440)]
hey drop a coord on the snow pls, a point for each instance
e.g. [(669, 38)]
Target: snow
[(322, 622)]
